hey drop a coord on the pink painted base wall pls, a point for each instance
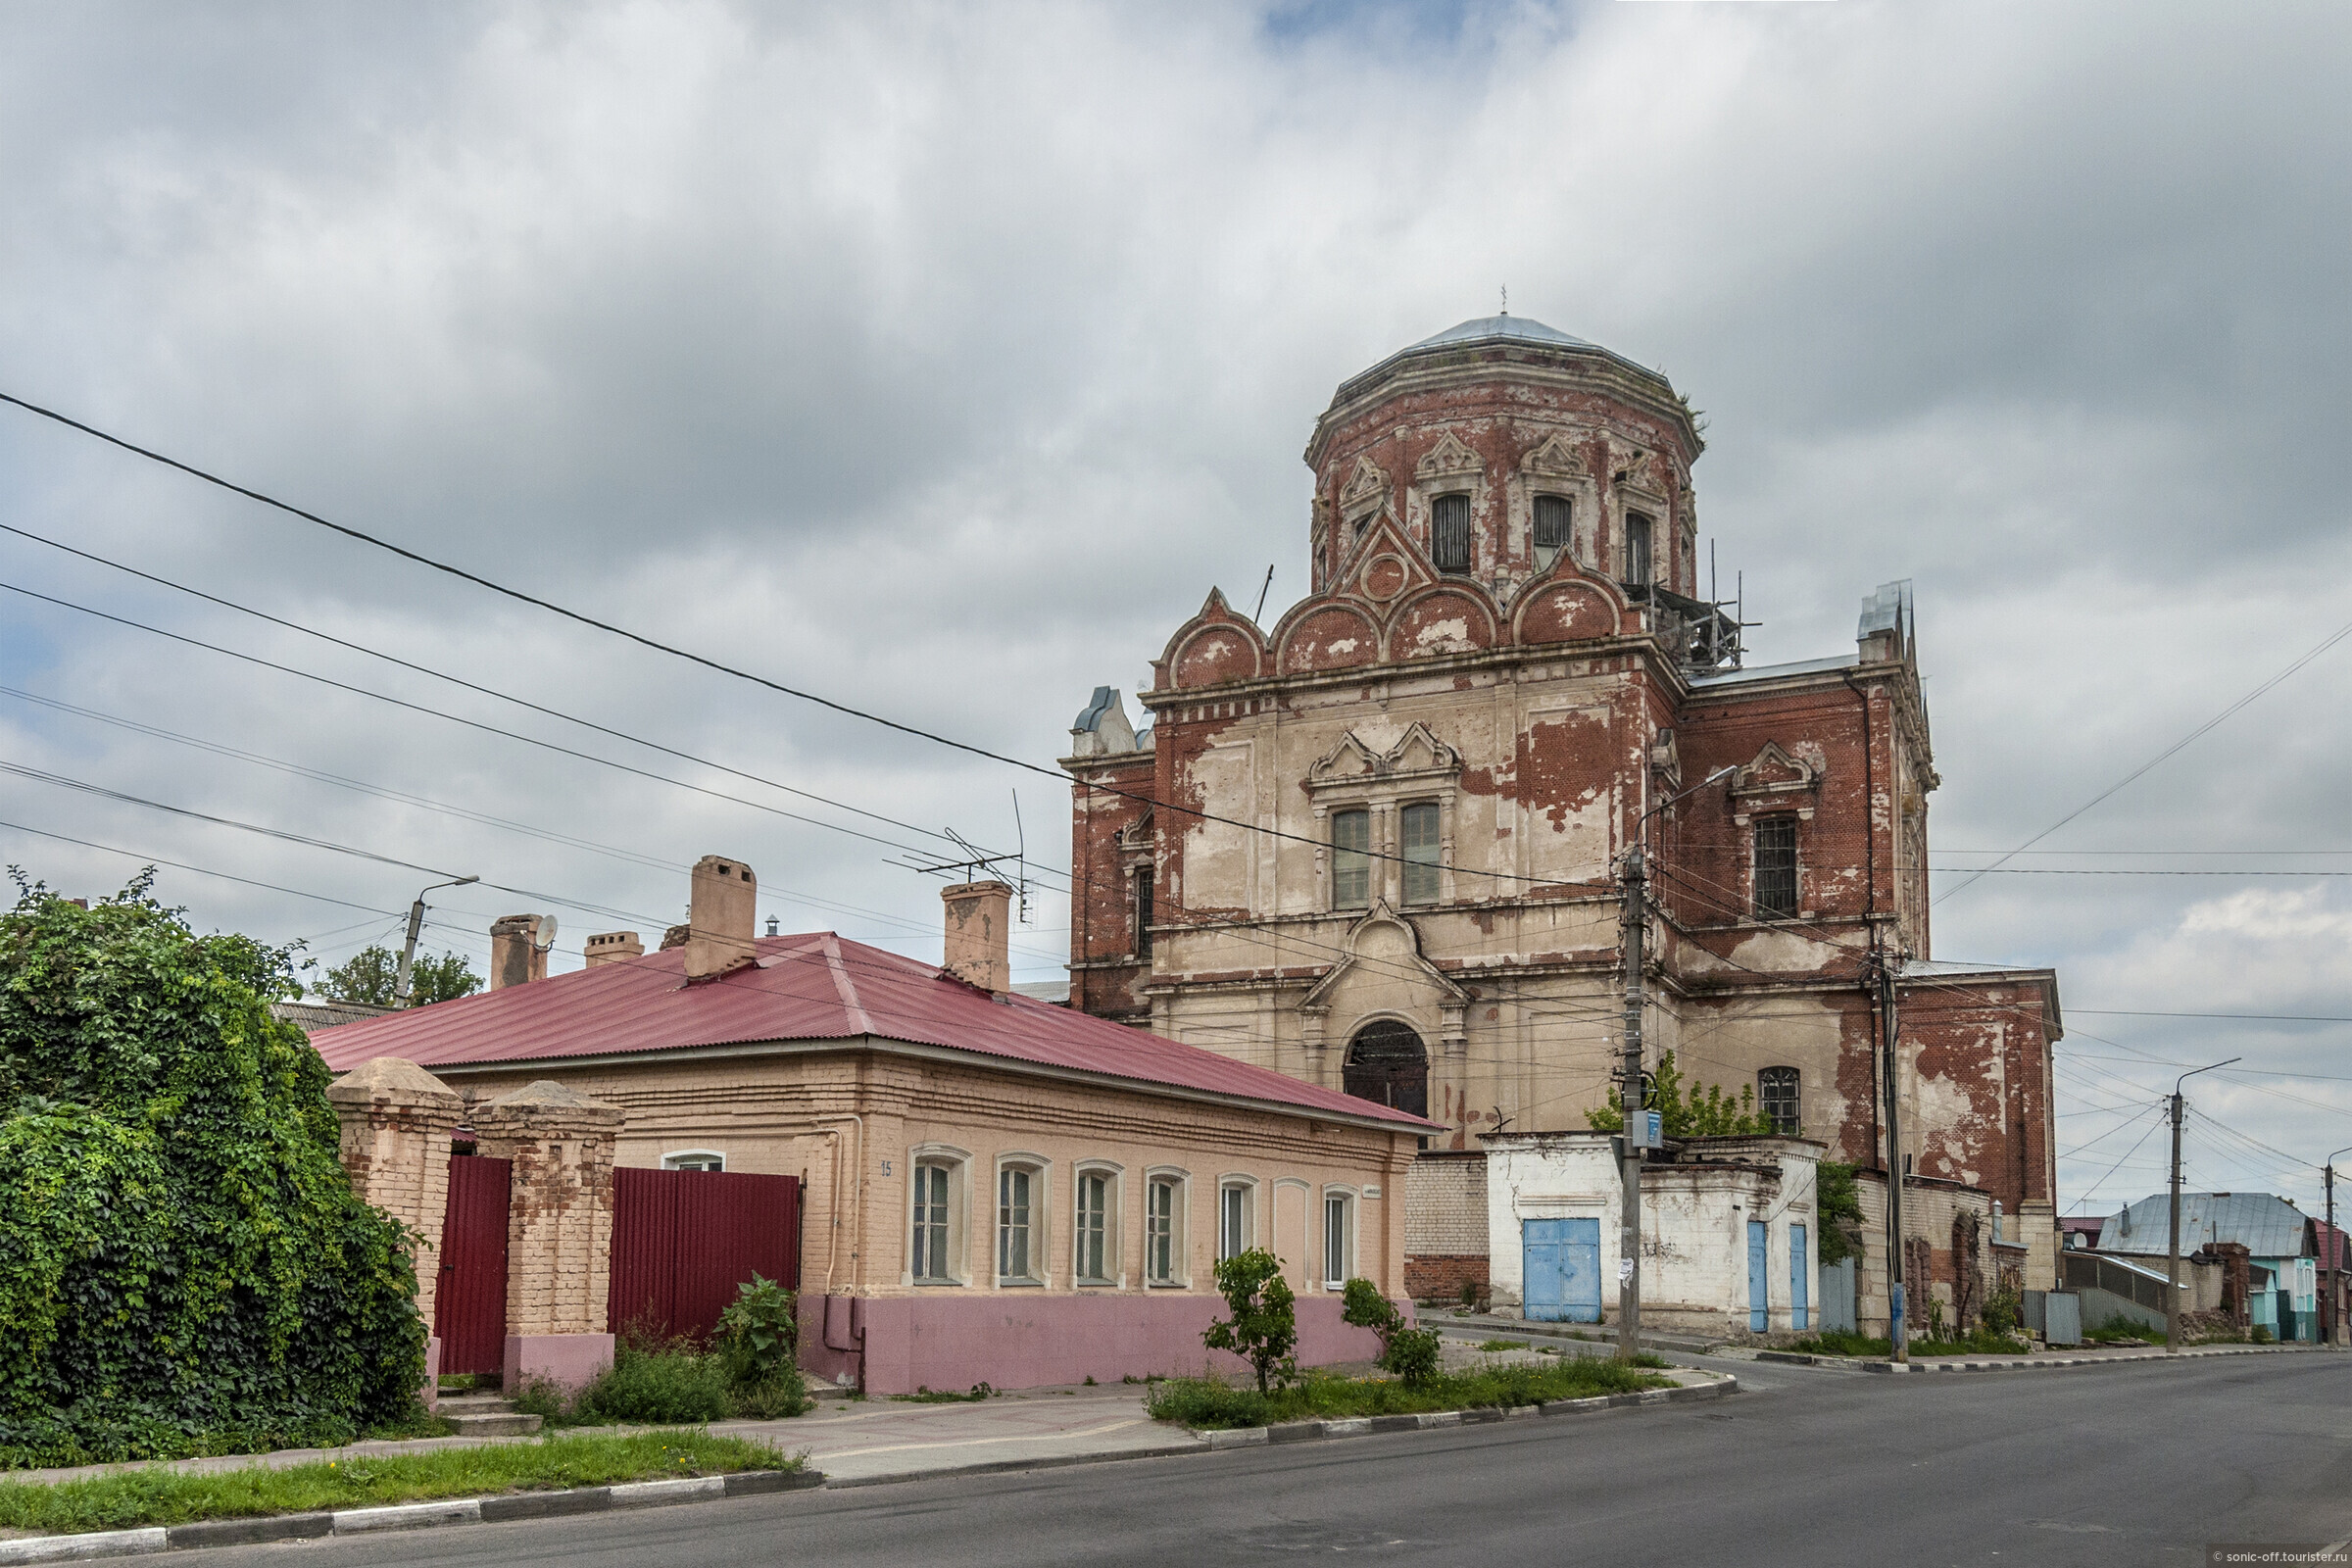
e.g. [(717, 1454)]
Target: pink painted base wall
[(571, 1359), (1016, 1342)]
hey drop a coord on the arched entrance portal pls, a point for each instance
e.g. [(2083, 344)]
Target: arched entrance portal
[(1388, 1064)]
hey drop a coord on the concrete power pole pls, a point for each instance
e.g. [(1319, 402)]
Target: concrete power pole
[(1636, 1115), (2336, 1283), (408, 949), (1898, 1337), (2172, 1267)]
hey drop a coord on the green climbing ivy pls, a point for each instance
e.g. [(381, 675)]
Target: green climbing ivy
[(183, 1265)]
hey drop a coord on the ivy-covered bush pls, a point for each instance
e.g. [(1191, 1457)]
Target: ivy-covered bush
[(183, 1265)]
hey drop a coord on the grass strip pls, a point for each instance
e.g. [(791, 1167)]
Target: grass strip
[(1206, 1403), (156, 1496)]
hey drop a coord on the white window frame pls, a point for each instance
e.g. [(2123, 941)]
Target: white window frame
[(1370, 852), (1114, 1258), (958, 1164), (1180, 1271), (1438, 867), (1350, 1221), (1246, 1185), (1041, 1232), (693, 1159)]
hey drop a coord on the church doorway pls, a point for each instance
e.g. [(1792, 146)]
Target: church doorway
[(1388, 1064)]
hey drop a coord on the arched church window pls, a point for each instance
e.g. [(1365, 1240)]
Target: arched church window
[(1388, 1064), (1637, 548), (1777, 1096), (1450, 532)]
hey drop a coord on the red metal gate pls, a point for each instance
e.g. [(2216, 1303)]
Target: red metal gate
[(469, 1301), (683, 1241)]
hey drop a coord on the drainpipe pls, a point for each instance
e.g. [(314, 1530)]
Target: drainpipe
[(856, 1345)]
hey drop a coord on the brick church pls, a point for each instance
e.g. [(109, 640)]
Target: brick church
[(1389, 827)]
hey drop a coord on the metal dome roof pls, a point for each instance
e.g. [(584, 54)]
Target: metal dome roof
[(1524, 328)]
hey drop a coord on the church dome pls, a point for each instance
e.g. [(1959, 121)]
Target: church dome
[(1525, 328)]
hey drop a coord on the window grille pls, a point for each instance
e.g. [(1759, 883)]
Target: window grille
[(1777, 1092), (1421, 852), (1143, 912), (1449, 533), (931, 1223), (1094, 1225), (1776, 867), (1350, 860), (1637, 549), (1552, 522), (1013, 1224)]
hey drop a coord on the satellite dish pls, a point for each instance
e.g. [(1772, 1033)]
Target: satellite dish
[(545, 939)]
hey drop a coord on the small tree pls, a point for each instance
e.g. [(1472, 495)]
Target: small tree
[(1840, 1208), (368, 975), (1264, 1327), (1410, 1354), (1711, 1114)]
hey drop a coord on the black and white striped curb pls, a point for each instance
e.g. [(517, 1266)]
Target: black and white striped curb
[(2039, 1363), (1365, 1426), (402, 1516)]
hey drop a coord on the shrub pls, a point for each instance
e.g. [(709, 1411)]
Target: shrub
[(183, 1265), (761, 1344), (1264, 1327), (670, 1383), (1408, 1353), (1710, 1113), (2004, 1311), (2263, 1336)]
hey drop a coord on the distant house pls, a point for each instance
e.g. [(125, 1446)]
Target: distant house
[(2279, 1241), (312, 1016), (997, 1188)]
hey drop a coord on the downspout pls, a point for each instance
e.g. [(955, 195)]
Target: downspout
[(856, 1345), (1870, 860)]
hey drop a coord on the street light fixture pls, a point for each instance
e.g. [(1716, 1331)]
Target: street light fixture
[(408, 949)]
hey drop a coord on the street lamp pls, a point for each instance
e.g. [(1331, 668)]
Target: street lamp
[(408, 949), (2335, 1324), (2172, 1279)]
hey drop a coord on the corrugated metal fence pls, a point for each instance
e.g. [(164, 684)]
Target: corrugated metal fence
[(469, 1299), (2136, 1285), (684, 1240)]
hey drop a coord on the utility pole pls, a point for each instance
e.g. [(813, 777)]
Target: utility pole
[(2336, 1283), (1898, 1337), (2172, 1267), (408, 949), (1636, 1115)]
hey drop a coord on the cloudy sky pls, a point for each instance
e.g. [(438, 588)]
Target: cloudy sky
[(939, 359)]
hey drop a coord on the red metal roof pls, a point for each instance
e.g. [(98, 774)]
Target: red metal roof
[(812, 987)]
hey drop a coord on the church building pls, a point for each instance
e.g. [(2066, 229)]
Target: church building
[(1378, 844)]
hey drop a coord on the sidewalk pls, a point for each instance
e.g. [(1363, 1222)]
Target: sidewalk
[(884, 1440)]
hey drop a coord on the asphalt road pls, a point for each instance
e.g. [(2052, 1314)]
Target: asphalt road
[(2132, 1466)]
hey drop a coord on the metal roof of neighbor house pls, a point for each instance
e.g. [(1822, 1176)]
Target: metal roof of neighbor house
[(816, 986), (2266, 1226)]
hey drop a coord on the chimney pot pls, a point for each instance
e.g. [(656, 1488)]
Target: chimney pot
[(516, 957), (609, 947), (719, 916), (979, 937)]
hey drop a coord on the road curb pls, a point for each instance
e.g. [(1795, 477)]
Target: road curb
[(1479, 1415), (443, 1512), (2040, 1363)]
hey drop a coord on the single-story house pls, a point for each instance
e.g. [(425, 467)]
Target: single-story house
[(2279, 1238), (996, 1188)]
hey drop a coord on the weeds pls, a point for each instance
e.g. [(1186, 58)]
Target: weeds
[(1202, 1402), (924, 1395)]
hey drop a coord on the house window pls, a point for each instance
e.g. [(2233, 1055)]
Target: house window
[(1164, 1230), (1233, 1219), (1339, 1239), (1095, 1248), (1777, 1092), (1019, 1223), (695, 1159), (1450, 532), (1350, 860), (1420, 836), (1637, 548), (931, 1260), (1776, 867), (1551, 527), (1143, 912)]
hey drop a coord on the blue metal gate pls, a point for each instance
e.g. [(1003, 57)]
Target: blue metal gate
[(1561, 1261), (1800, 1298), (1759, 1299)]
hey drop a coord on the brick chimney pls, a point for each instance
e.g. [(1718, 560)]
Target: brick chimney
[(979, 934), (518, 951), (609, 947), (719, 914)]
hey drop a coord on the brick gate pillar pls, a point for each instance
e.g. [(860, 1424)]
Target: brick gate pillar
[(397, 1119), (558, 1228)]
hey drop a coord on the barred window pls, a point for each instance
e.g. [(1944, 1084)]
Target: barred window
[(1350, 860), (1421, 852), (1637, 548), (1551, 524), (1776, 867), (1143, 912), (1450, 532), (1777, 1092)]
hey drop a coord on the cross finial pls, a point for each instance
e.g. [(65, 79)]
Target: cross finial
[(1506, 299)]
